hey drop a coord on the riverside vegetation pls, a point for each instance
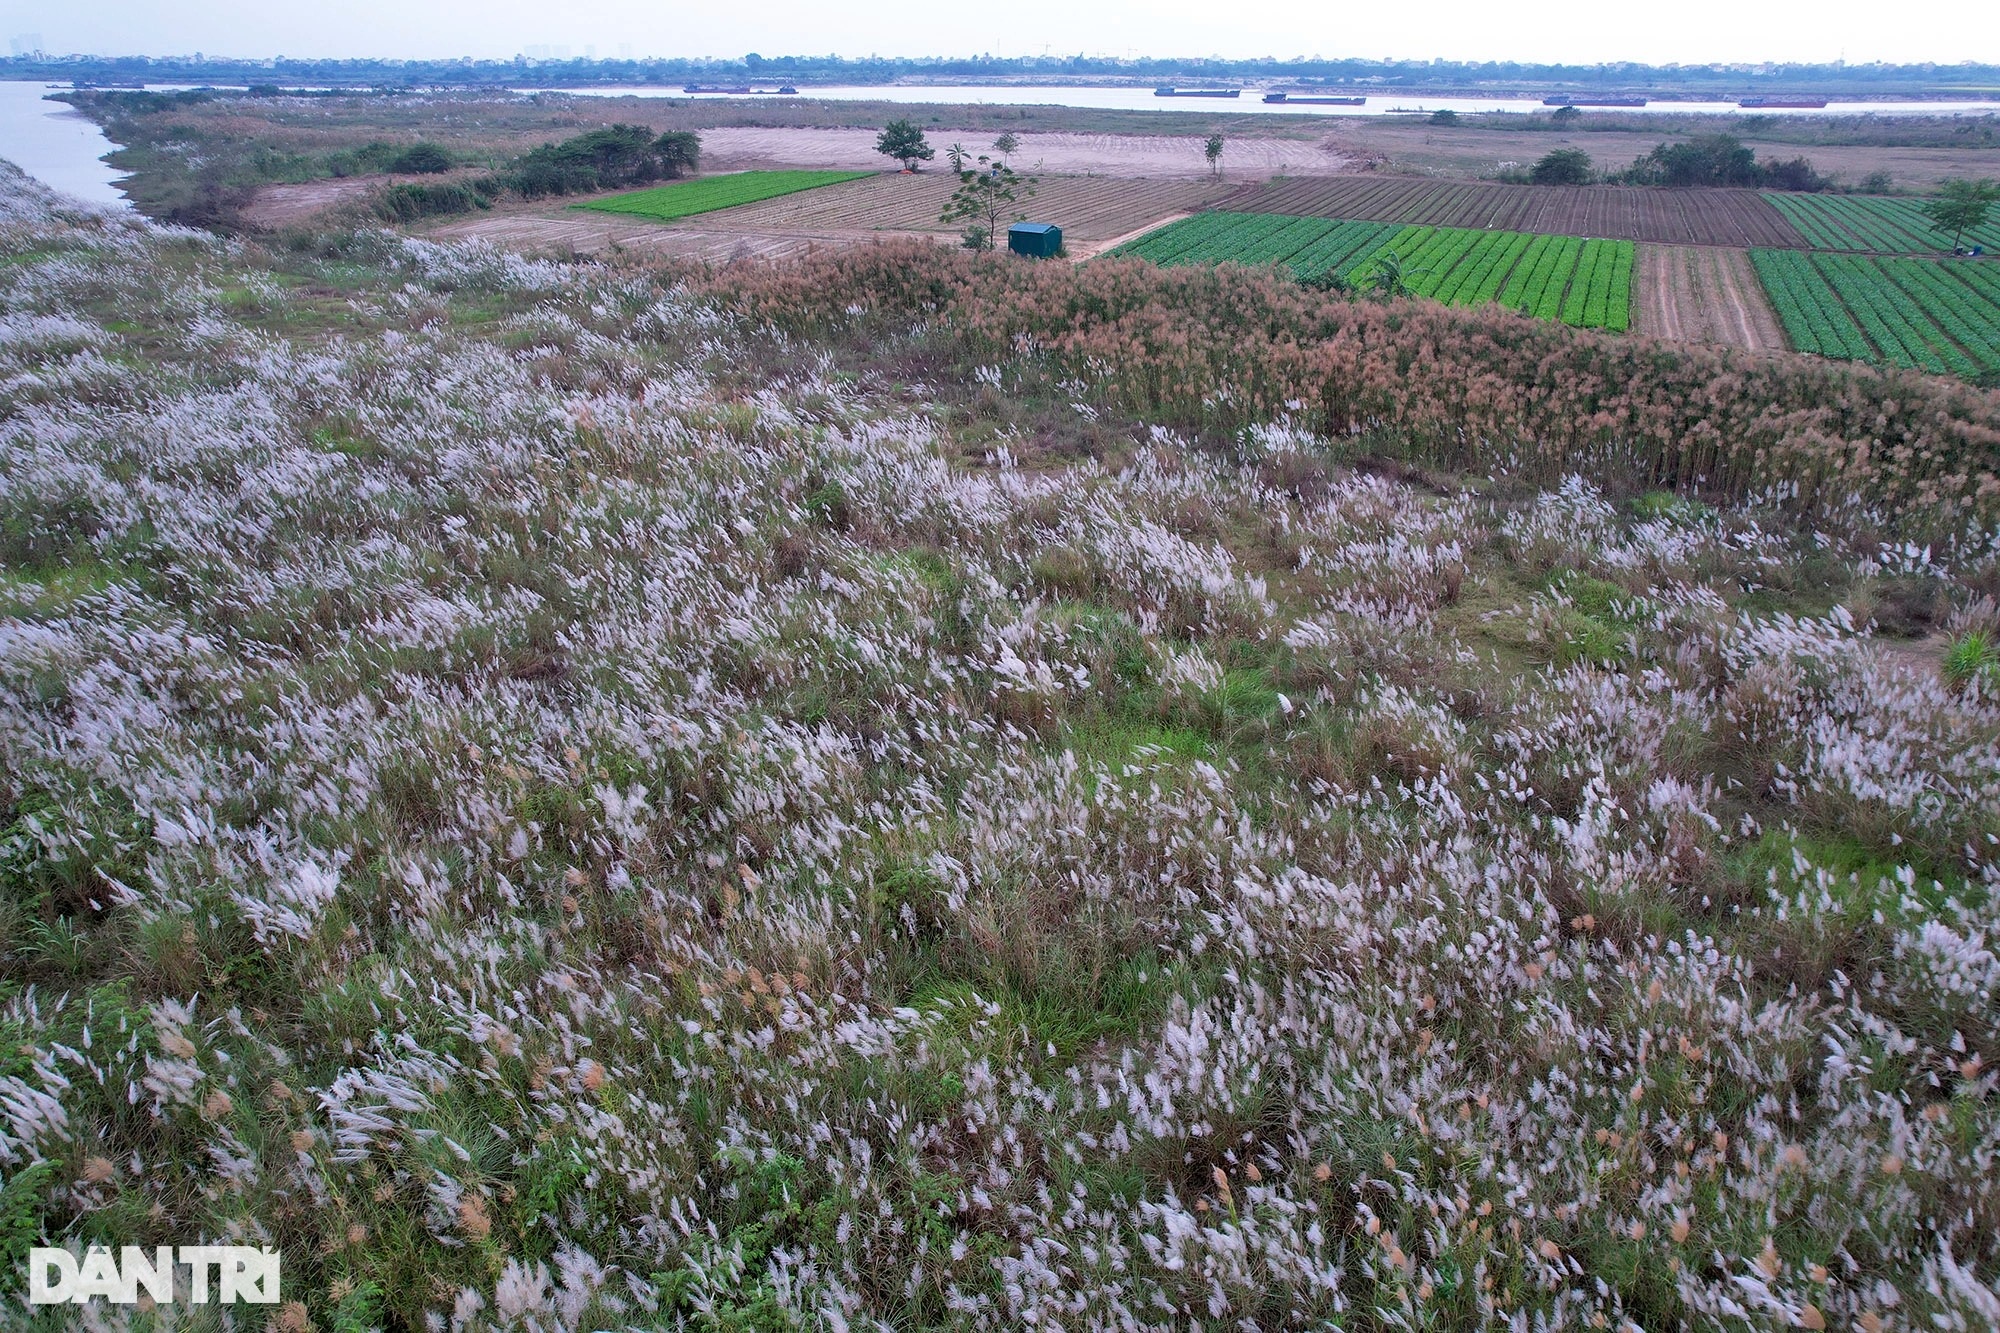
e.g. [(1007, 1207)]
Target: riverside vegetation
[(911, 790)]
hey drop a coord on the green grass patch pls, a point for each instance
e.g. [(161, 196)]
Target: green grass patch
[(683, 199)]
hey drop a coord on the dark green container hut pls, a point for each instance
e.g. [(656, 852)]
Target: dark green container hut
[(1041, 240)]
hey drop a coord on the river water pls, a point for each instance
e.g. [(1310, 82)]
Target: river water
[(55, 145), (1251, 101)]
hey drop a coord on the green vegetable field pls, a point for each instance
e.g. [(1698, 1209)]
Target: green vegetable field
[(1881, 226), (1583, 283), (1927, 314), (684, 199)]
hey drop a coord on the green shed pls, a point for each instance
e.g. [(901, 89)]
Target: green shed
[(1041, 240)]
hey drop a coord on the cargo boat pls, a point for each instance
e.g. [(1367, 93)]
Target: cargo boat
[(1197, 92), (1309, 99), (786, 91), (1782, 103), (1593, 101)]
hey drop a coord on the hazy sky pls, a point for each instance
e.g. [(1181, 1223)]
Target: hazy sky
[(1562, 30)]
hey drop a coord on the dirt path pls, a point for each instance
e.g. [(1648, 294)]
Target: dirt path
[(1703, 293), (1099, 247)]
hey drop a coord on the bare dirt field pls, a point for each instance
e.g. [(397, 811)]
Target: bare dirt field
[(1703, 293), (1088, 208), (586, 233), (274, 206), (1076, 154), (1683, 217), (1093, 211), (1480, 148)]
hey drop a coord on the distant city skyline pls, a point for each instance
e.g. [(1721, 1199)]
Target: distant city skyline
[(1558, 31)]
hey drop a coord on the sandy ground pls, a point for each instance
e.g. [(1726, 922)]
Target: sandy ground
[(1703, 294), (1073, 154), (284, 205)]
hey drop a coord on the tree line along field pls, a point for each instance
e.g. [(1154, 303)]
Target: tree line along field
[(1667, 217), (1583, 283), (1942, 316), (1872, 223), (713, 193)]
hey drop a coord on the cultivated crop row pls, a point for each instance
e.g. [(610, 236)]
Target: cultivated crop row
[(1536, 285), (1934, 315), (687, 198), (1309, 246), (1879, 226), (1672, 217), (1583, 283)]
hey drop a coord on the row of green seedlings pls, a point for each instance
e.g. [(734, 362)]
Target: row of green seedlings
[(1311, 246), (1919, 314), (664, 203), (1883, 226), (1583, 283)]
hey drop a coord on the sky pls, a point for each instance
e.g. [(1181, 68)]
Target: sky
[(1566, 31)]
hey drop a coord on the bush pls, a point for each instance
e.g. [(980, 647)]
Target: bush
[(1564, 166), (1974, 656), (607, 159), (423, 159), (1720, 160), (409, 202)]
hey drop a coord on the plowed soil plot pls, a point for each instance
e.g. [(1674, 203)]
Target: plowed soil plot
[(1703, 293), (1087, 208), (578, 233), (1091, 210), (1669, 217)]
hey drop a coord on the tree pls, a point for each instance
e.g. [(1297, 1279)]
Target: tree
[(596, 160), (902, 140), (956, 155), (680, 153), (984, 194), (1444, 116), (1564, 166), (1006, 145), (1961, 206), (1706, 159), (1566, 116), (1212, 150)]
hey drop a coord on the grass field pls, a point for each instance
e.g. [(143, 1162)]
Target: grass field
[(912, 790), (1584, 283), (685, 199), (1925, 314), (1881, 226)]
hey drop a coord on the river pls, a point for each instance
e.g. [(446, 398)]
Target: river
[(55, 145), (1251, 101)]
